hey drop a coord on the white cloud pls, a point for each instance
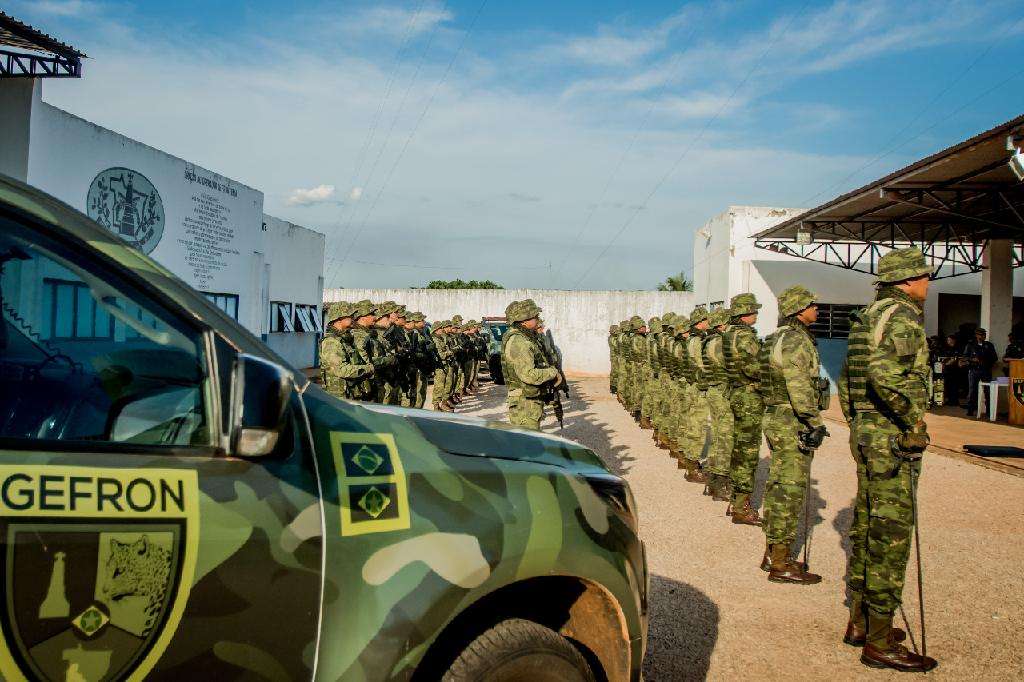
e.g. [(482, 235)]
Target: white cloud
[(395, 21), (64, 8), (307, 197)]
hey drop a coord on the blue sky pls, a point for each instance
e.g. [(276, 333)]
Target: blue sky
[(515, 140)]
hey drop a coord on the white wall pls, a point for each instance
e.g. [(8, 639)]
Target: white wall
[(211, 226), (295, 256), (578, 320)]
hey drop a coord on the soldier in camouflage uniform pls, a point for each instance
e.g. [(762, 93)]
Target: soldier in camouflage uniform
[(530, 378), (883, 391), (691, 445), (480, 341), (442, 382), (415, 360), (678, 396), (613, 359), (741, 346), (366, 341), (635, 351), (344, 373), (720, 413), (388, 378), (792, 422), (458, 353), (663, 408), (649, 392)]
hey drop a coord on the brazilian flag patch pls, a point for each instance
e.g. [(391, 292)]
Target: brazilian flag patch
[(372, 488)]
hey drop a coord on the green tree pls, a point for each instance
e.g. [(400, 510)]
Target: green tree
[(676, 283), (463, 284)]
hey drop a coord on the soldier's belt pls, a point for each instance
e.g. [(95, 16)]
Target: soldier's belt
[(861, 406)]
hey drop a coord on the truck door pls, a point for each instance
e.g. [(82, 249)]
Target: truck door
[(132, 547)]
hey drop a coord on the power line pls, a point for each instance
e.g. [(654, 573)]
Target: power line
[(886, 150), (412, 133), (625, 154), (391, 129), (418, 266), (689, 147)]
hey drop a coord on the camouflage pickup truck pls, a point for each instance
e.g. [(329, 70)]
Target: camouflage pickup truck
[(176, 503)]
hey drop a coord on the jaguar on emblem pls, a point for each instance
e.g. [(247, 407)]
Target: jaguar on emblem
[(97, 568), (126, 203)]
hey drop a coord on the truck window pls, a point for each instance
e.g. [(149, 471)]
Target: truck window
[(85, 357)]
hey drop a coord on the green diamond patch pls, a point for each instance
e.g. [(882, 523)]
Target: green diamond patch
[(374, 502), (367, 460), (90, 621)]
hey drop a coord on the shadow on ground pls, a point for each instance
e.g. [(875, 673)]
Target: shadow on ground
[(683, 631)]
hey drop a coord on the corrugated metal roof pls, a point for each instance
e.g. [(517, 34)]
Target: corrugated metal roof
[(18, 34)]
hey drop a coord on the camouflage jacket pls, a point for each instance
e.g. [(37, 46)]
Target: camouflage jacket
[(741, 346), (790, 368), (525, 362), (895, 363), (367, 341), (342, 367), (695, 355)]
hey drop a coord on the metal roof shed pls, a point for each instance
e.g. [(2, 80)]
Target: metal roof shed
[(963, 206)]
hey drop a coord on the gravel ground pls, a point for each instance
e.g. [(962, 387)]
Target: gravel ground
[(715, 615)]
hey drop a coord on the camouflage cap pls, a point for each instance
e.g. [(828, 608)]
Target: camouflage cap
[(795, 299), (654, 324), (441, 324), (744, 304), (697, 316), (668, 317), (681, 324), (416, 317), (636, 322), (613, 328), (456, 319), (364, 307), (719, 317), (338, 310), (387, 307), (521, 311), (402, 311), (902, 264)]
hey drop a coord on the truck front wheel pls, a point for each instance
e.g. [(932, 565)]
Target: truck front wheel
[(515, 650)]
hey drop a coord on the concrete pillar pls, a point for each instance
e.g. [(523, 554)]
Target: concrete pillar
[(17, 97), (997, 292)]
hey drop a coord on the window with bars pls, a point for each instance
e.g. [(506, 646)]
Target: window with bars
[(833, 320), (226, 302), (281, 317), (307, 319)]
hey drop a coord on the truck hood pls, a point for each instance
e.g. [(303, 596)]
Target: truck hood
[(475, 437)]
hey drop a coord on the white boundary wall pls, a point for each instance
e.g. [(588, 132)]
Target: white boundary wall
[(578, 320)]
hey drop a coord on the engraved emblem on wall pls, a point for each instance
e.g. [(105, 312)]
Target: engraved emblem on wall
[(126, 203)]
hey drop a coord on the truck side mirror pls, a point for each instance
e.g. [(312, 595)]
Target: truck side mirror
[(260, 391)]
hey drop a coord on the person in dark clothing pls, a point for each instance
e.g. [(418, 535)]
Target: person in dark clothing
[(1014, 350), (952, 373), (981, 358)]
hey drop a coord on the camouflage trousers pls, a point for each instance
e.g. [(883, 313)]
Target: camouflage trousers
[(663, 409), (421, 390), (695, 426), (392, 393), (883, 516), (634, 387), (613, 375), (524, 412), (680, 398), (747, 412), (468, 374), (721, 427), (651, 394), (788, 476), (440, 385)]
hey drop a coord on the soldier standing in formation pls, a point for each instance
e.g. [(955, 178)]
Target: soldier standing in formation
[(720, 419), (530, 377), (883, 392), (383, 353), (790, 370), (741, 348)]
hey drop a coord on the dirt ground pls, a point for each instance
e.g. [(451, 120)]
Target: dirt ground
[(713, 612)]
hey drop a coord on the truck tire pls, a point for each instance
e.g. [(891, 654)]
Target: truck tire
[(517, 650), (494, 363)]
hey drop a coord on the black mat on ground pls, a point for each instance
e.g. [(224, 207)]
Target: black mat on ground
[(994, 450)]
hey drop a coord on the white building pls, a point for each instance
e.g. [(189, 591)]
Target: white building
[(208, 229)]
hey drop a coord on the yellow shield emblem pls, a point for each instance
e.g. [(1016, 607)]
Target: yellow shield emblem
[(97, 568)]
